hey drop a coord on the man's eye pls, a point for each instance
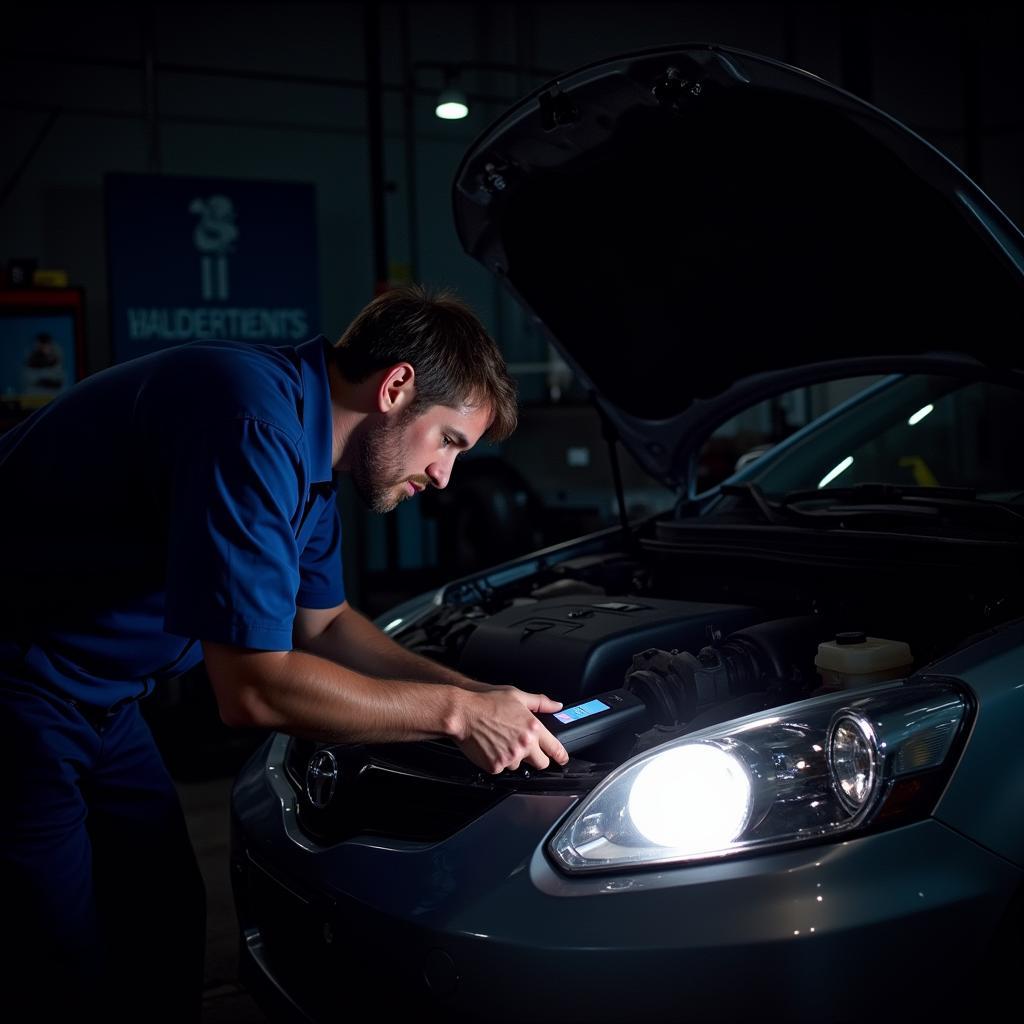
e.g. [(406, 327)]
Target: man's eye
[(446, 441)]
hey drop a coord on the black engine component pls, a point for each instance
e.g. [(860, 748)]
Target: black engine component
[(769, 659), (572, 647)]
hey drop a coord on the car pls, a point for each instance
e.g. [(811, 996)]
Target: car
[(794, 701)]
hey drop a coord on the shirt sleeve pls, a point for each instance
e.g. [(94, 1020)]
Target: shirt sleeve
[(321, 583), (233, 564)]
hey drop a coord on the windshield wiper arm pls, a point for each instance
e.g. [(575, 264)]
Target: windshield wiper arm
[(756, 495)]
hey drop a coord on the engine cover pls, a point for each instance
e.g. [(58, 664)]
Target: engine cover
[(571, 648)]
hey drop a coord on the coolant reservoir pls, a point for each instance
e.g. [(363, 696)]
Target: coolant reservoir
[(853, 660)]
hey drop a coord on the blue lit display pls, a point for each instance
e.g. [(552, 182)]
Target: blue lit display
[(592, 707)]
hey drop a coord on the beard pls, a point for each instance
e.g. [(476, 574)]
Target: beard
[(378, 472)]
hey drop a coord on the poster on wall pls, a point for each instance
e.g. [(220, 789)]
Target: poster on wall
[(195, 258), (41, 347)]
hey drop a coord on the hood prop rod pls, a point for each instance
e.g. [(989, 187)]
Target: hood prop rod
[(611, 436)]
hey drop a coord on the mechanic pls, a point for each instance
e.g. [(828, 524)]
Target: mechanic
[(179, 507)]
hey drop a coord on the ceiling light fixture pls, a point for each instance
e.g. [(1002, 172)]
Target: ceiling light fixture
[(452, 104)]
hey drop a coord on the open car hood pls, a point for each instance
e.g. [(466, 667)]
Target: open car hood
[(696, 228)]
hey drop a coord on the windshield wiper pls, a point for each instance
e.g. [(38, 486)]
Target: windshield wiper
[(877, 498)]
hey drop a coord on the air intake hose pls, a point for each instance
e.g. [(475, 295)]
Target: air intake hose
[(677, 686)]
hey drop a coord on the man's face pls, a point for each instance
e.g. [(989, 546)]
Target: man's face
[(400, 456)]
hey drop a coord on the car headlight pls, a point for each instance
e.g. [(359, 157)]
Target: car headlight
[(823, 767)]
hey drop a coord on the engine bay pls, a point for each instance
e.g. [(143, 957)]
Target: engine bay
[(701, 636), (704, 638)]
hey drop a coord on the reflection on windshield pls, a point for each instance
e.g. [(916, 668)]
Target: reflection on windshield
[(918, 432), (920, 414), (833, 473)]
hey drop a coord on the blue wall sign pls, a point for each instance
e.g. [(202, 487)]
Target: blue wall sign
[(209, 258)]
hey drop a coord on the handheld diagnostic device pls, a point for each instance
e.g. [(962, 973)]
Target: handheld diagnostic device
[(580, 725)]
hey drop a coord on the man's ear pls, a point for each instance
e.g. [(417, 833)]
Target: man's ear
[(397, 388)]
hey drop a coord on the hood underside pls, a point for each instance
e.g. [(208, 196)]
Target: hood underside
[(696, 228)]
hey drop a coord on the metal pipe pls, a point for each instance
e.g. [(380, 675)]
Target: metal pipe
[(409, 138), (211, 71), (12, 182), (150, 91), (488, 65), (325, 128), (378, 213), (375, 138)]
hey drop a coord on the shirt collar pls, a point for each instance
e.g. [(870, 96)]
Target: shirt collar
[(317, 422)]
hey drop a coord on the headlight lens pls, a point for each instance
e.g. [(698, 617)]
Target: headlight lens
[(823, 767), (853, 758)]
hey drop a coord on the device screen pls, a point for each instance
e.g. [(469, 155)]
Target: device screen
[(570, 715)]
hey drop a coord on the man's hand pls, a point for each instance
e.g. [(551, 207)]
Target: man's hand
[(498, 730)]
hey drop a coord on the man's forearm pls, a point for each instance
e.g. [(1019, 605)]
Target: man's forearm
[(312, 697), (305, 695), (352, 640)]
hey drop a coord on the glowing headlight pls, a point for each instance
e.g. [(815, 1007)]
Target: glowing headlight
[(695, 797), (824, 767)]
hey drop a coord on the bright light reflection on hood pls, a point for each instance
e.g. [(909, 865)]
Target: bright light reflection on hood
[(920, 415)]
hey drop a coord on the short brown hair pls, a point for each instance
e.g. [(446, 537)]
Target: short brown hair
[(456, 361)]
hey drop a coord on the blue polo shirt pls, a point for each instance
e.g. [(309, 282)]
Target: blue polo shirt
[(184, 496)]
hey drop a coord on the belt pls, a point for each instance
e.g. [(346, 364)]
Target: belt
[(100, 717)]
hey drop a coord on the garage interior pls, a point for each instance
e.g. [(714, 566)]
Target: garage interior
[(342, 99)]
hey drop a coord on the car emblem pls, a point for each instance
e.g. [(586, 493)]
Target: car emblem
[(321, 778)]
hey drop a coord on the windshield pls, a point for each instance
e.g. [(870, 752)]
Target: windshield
[(915, 431)]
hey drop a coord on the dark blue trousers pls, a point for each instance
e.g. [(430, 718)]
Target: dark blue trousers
[(102, 900)]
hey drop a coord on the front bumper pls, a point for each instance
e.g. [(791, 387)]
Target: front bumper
[(481, 926)]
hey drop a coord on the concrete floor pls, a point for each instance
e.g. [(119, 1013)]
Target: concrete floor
[(206, 805)]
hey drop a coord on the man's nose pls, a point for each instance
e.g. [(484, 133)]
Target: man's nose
[(439, 473)]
